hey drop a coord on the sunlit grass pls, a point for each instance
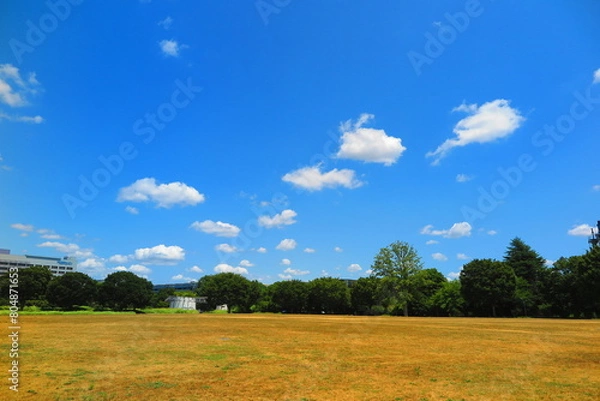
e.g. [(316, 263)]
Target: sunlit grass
[(310, 357)]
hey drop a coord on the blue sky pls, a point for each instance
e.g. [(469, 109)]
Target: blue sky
[(294, 139)]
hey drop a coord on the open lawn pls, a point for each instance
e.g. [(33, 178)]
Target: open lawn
[(308, 357)]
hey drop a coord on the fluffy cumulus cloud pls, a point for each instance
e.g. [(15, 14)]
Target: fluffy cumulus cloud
[(225, 268), (262, 250), (313, 179), (597, 76), (181, 277), (457, 230), (486, 123), (136, 269), (160, 254), (440, 257), (285, 218), (119, 259), (163, 195), (91, 264), (195, 269), (246, 263), (295, 272), (463, 178), (68, 249), (22, 227), (217, 228), (171, 48), (286, 262), (309, 250), (226, 248), (368, 144), (462, 256), (286, 244), (354, 267), (582, 230), (15, 91)]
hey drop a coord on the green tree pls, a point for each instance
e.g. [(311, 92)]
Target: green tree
[(290, 296), (329, 295), (72, 289), (426, 282), (364, 294), (488, 286), (125, 290), (239, 293), (560, 288), (396, 265), (158, 299), (33, 282), (529, 267), (448, 300)]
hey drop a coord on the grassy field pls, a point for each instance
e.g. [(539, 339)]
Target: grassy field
[(284, 357)]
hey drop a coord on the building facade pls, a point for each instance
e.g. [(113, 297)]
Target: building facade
[(58, 266)]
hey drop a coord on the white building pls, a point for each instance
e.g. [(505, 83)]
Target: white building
[(188, 303), (58, 266)]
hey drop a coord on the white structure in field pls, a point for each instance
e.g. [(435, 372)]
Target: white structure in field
[(188, 303), (58, 266)]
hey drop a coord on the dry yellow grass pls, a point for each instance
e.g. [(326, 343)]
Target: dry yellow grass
[(274, 357)]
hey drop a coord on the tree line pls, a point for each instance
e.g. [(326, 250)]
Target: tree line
[(518, 285)]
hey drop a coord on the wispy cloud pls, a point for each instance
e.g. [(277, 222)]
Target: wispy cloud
[(462, 229), (171, 48)]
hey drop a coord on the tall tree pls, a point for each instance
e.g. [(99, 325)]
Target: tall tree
[(328, 295), (33, 282), (426, 283), (125, 290), (448, 300), (72, 289), (488, 285), (396, 265), (236, 291), (364, 294), (290, 296), (529, 267)]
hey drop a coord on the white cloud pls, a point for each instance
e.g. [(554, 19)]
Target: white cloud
[(285, 276), (286, 245), (225, 268), (69, 249), (486, 123), (582, 230), (457, 230), (368, 144), (312, 179), (171, 48), (118, 259), (597, 76), (338, 249), (181, 277), (160, 254), (120, 269), (324, 273), (261, 250), (439, 257), (295, 272), (246, 263), (596, 188), (285, 218), (463, 178), (309, 250), (195, 269), (354, 267), (137, 269), (14, 90), (164, 195), (492, 232), (462, 256), (369, 272), (91, 263), (22, 227), (218, 228), (227, 248), (453, 275), (549, 263), (132, 210), (166, 23), (21, 119), (52, 236), (286, 262), (432, 242)]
